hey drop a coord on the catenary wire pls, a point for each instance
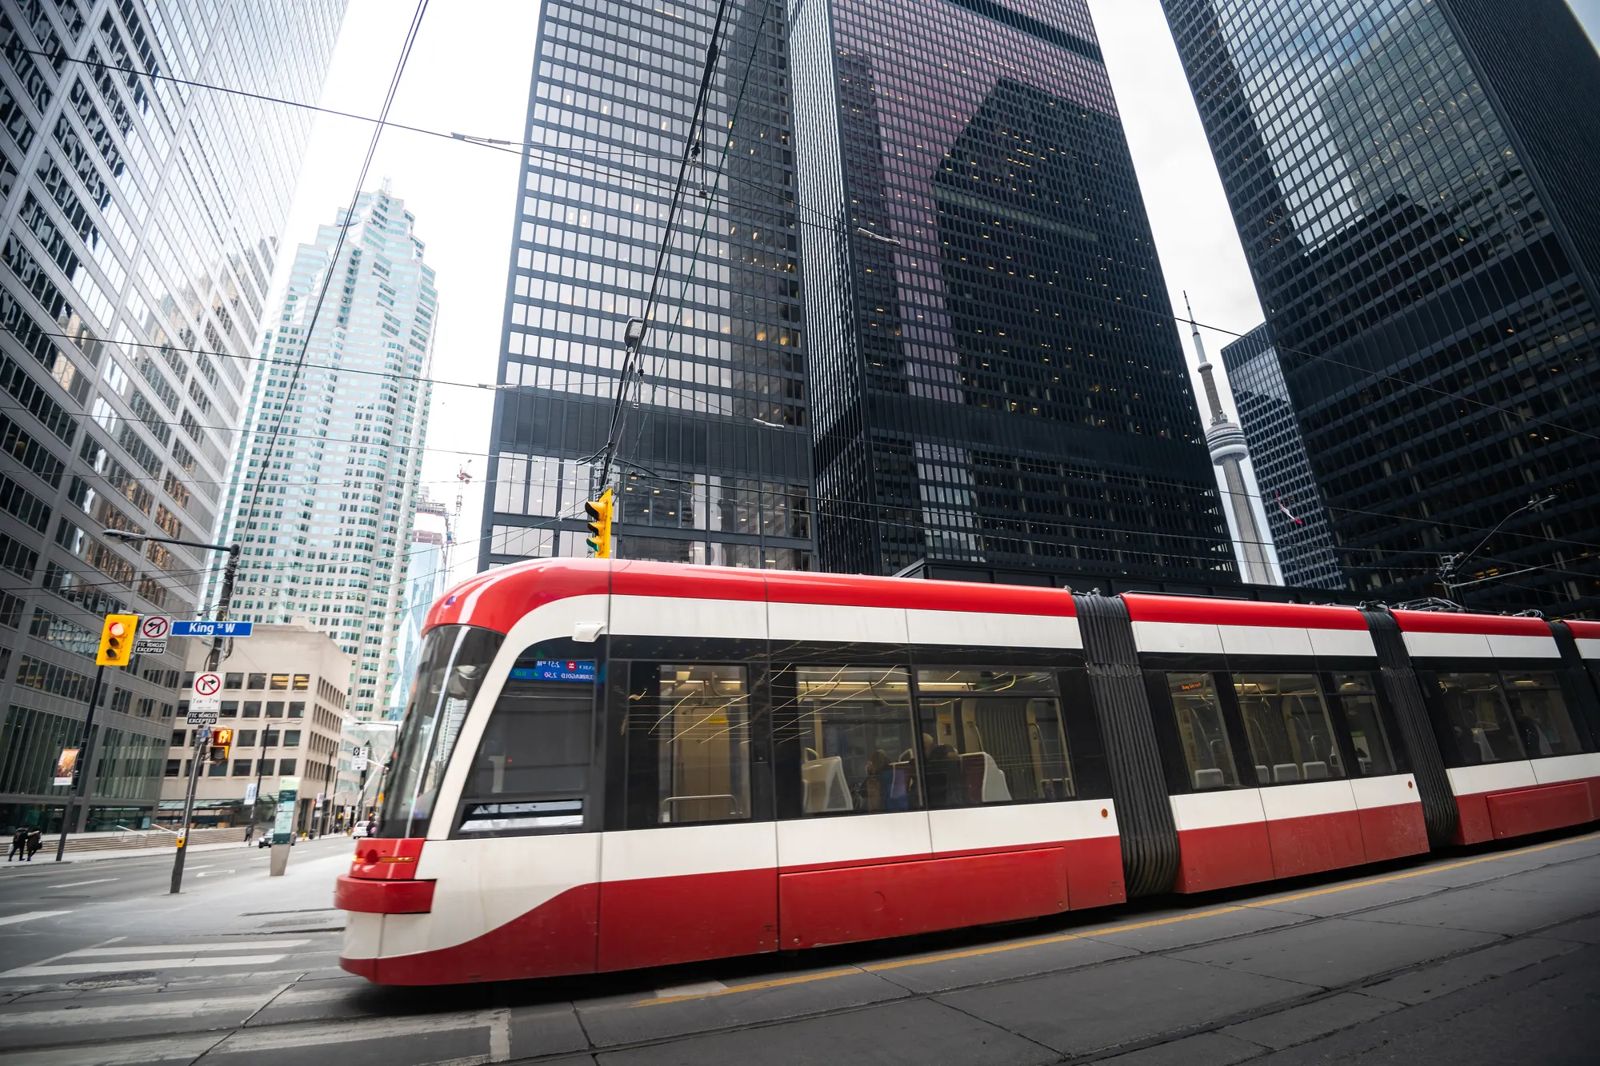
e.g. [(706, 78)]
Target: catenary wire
[(798, 206), (816, 500), (521, 148)]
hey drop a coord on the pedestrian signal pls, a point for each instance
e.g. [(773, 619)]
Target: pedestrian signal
[(599, 513), (116, 640), (221, 743)]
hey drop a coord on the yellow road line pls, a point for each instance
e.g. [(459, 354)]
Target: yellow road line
[(1128, 927)]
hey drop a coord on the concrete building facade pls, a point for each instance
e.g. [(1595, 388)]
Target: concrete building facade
[(285, 693)]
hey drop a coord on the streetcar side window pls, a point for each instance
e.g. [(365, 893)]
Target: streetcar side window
[(688, 744), (997, 737), (1476, 720), (1539, 711), (858, 747), (1357, 697), (1206, 748), (1288, 728)]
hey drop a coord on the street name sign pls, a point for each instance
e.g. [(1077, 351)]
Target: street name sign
[(203, 628)]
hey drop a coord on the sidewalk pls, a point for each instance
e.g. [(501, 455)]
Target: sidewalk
[(46, 856)]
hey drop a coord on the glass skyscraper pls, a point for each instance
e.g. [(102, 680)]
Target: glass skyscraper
[(1292, 503), (324, 488), (716, 447), (140, 227), (1412, 182), (995, 373)]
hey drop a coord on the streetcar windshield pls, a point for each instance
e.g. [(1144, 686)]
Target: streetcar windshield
[(452, 664)]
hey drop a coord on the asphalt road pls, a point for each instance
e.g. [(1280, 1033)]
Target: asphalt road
[(1483, 957), (48, 907)]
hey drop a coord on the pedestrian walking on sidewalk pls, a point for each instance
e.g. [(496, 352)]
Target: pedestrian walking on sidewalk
[(19, 843), (35, 839)]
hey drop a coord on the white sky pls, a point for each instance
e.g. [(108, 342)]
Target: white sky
[(469, 72)]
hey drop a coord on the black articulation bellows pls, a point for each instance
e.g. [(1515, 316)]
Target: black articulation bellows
[(1404, 690), (1122, 707)]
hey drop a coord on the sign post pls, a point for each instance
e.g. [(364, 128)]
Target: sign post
[(283, 824)]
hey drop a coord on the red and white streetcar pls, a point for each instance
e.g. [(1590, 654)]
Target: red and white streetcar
[(608, 765)]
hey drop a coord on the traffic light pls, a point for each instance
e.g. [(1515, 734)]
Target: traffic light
[(599, 512), (221, 743), (116, 640)]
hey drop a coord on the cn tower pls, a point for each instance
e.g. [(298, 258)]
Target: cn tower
[(1225, 440)]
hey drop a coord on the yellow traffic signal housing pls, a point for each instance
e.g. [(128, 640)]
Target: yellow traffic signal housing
[(116, 640), (221, 743), (600, 514)]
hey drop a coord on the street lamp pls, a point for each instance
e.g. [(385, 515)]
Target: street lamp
[(761, 509), (1450, 565), (213, 660)]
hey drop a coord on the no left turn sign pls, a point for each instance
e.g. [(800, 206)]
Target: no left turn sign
[(207, 684), (155, 627)]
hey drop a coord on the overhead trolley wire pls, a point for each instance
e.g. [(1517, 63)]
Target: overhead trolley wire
[(829, 223)]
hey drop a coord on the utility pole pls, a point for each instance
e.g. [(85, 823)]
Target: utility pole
[(213, 660), (80, 782), (267, 741)]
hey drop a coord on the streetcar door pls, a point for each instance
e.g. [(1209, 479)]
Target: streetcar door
[(690, 871)]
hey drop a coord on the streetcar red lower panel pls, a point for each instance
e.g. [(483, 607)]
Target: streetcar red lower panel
[(1523, 811), (1223, 856), (661, 920), (820, 907), (1393, 832), (1316, 843)]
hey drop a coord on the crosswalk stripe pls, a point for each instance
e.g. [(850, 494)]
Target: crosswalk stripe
[(121, 1012), (345, 1031), (30, 916), (164, 949), (128, 965), (122, 1053)]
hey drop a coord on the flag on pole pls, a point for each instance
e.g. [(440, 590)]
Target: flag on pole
[(1290, 514)]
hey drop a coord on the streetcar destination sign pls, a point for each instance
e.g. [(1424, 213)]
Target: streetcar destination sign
[(200, 628)]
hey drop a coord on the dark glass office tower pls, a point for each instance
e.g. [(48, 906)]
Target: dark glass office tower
[(716, 446), (1293, 505), (1412, 181), (995, 374), (140, 221)]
